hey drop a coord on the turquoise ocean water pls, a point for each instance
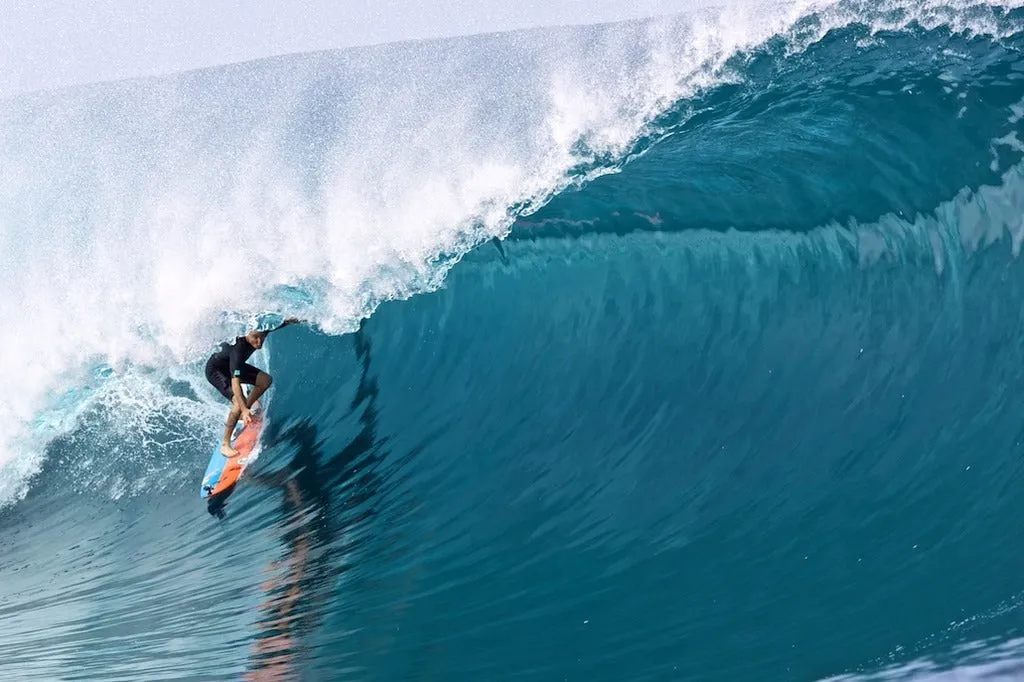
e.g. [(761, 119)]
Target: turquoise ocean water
[(681, 349)]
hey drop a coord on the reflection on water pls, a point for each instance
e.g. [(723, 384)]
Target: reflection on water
[(313, 530)]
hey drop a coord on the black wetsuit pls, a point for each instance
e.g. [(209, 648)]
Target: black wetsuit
[(228, 362)]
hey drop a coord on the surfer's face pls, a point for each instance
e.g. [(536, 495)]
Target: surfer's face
[(256, 339)]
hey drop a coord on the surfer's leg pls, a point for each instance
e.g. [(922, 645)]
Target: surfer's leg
[(229, 428), (259, 387), (222, 383)]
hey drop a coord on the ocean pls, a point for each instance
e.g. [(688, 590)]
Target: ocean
[(675, 349)]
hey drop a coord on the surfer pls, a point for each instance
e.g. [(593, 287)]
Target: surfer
[(227, 370)]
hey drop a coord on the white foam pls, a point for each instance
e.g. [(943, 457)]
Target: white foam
[(991, 661), (142, 222)]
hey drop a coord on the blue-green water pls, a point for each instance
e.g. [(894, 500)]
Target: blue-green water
[(626, 359)]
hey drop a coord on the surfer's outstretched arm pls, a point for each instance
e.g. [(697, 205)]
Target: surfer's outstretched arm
[(288, 321)]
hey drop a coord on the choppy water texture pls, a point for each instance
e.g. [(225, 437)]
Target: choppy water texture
[(675, 350)]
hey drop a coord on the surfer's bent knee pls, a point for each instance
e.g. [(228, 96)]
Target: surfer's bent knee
[(264, 380)]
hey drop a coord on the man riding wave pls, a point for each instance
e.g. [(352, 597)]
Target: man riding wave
[(227, 370)]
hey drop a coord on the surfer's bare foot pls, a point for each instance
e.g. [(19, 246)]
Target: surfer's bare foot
[(228, 451)]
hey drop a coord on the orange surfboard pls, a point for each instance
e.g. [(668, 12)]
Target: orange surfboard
[(222, 473)]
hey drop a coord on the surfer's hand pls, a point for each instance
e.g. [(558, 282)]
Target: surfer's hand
[(246, 417)]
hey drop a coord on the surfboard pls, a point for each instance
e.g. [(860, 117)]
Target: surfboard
[(223, 472)]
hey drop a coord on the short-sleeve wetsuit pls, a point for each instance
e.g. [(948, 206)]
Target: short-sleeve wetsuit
[(229, 362)]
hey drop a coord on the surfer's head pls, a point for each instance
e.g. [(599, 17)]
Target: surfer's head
[(255, 338)]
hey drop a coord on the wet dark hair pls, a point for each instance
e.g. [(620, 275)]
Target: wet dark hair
[(215, 503)]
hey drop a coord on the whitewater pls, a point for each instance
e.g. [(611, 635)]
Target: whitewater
[(682, 348)]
